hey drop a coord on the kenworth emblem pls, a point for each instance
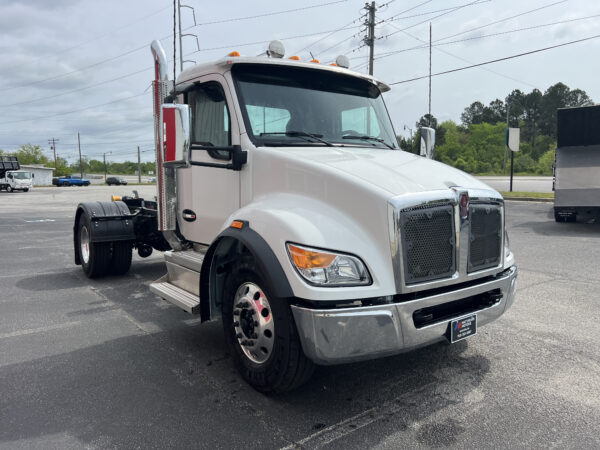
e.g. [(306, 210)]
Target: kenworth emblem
[(464, 205), (463, 202)]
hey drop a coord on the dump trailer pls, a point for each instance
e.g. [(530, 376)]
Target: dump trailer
[(577, 163), (12, 178), (286, 210)]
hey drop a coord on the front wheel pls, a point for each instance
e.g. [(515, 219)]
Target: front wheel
[(261, 332), (9, 189), (86, 183), (26, 190)]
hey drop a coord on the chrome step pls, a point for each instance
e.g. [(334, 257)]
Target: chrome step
[(190, 259), (176, 295)]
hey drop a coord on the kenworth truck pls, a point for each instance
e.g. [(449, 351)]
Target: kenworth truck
[(286, 210)]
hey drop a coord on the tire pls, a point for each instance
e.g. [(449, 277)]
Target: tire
[(272, 360), (65, 183), (86, 183), (9, 189), (26, 190), (95, 257), (121, 257)]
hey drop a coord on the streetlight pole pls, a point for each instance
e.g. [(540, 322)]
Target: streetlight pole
[(411, 137)]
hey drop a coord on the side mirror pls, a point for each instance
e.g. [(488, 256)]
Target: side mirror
[(10, 175), (33, 175), (176, 121), (427, 142)]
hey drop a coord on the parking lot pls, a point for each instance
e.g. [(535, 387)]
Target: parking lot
[(106, 364)]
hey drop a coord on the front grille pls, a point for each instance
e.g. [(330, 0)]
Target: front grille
[(428, 243), (485, 239)]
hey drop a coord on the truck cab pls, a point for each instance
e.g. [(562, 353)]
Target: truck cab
[(292, 216)]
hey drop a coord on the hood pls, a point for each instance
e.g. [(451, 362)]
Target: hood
[(395, 171)]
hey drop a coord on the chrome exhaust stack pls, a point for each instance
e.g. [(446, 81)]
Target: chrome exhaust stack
[(165, 176)]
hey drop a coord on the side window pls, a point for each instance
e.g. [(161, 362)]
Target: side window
[(210, 118), (264, 119), (361, 120)]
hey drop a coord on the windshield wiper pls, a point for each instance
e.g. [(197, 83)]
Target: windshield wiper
[(368, 138), (316, 137)]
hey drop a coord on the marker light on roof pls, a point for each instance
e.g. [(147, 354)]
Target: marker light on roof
[(234, 53), (315, 61), (295, 58), (343, 61), (276, 49)]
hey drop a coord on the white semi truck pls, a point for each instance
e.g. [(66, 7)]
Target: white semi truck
[(12, 178), (286, 209)]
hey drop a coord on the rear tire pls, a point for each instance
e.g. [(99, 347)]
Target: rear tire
[(272, 360), (87, 183), (65, 183), (95, 257), (121, 257), (26, 190)]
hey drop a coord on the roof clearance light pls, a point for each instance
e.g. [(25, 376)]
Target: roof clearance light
[(234, 53), (333, 64), (276, 50), (295, 58), (343, 61), (315, 61)]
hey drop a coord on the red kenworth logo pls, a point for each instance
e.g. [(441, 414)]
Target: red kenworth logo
[(464, 205)]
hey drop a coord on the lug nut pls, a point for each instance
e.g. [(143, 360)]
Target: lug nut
[(239, 335), (236, 324), (247, 343), (236, 312)]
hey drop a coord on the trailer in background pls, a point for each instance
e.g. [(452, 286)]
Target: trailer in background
[(577, 163)]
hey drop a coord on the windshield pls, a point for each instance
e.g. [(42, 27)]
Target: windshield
[(22, 175), (298, 106)]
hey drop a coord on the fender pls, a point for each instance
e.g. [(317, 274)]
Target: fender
[(263, 255), (110, 222)]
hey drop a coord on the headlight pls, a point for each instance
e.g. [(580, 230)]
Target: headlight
[(328, 269), (506, 245)]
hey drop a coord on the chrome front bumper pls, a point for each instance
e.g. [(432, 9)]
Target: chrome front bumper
[(342, 335)]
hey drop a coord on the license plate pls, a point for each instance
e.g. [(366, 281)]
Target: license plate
[(463, 328)]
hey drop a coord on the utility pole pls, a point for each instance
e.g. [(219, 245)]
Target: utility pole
[(139, 167), (53, 147), (80, 160), (370, 39), (104, 158), (430, 74), (180, 46)]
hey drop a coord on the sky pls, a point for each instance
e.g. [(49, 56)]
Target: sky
[(84, 66)]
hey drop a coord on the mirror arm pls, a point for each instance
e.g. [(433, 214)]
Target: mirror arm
[(238, 157)]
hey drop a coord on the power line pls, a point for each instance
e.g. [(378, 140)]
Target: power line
[(395, 17), (273, 13), (129, 52), (75, 110), (433, 18), (502, 20), (498, 60)]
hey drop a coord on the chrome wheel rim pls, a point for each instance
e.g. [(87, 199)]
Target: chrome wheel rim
[(84, 243), (253, 322)]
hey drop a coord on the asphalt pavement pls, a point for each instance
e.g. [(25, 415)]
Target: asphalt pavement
[(106, 364)]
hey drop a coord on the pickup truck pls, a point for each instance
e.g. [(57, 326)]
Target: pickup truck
[(69, 180)]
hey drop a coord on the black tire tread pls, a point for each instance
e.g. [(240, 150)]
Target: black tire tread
[(121, 257), (290, 367)]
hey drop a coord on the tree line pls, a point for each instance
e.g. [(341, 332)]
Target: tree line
[(477, 144), (33, 154)]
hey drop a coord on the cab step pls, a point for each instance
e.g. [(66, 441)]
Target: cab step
[(176, 295), (181, 284)]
